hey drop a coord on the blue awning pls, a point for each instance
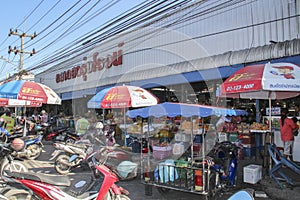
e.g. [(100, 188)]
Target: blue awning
[(189, 77)]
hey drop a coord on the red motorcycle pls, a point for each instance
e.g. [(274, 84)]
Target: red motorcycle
[(32, 185), (61, 135)]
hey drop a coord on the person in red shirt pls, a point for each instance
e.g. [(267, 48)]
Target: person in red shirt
[(286, 132)]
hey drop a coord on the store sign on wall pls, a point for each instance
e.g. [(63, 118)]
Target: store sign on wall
[(97, 63)]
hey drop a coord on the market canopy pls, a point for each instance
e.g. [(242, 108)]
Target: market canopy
[(183, 109), (29, 91)]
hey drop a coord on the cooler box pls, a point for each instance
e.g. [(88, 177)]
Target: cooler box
[(252, 173)]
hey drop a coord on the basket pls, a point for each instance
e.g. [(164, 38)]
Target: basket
[(162, 152)]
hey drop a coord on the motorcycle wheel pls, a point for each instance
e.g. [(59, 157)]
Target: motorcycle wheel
[(17, 194), (34, 151), (3, 137), (60, 165), (213, 184), (14, 166)]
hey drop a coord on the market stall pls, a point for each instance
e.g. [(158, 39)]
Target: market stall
[(122, 97), (180, 162), (268, 81)]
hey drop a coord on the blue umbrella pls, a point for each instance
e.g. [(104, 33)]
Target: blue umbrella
[(182, 109)]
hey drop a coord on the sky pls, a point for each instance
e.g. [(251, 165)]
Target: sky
[(56, 23)]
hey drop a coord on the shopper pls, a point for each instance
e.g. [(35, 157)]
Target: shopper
[(82, 125), (286, 131), (9, 121), (44, 116)]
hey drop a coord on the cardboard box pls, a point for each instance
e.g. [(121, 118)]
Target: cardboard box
[(252, 173)]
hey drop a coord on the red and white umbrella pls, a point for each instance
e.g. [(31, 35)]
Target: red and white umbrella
[(123, 97), (265, 81), (18, 103), (29, 91)]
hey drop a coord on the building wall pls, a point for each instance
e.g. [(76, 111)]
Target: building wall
[(204, 34)]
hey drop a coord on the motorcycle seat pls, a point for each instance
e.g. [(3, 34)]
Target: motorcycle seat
[(58, 180)]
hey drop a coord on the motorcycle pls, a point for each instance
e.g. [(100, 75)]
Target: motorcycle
[(31, 185), (61, 134), (7, 161), (6, 137), (223, 166), (69, 156), (33, 147)]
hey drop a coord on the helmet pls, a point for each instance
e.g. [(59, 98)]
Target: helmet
[(99, 125), (2, 122), (17, 144)]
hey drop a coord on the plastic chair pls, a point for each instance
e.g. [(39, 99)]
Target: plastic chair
[(279, 162)]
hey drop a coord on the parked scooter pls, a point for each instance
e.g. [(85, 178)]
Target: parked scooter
[(33, 147), (7, 161), (69, 156), (6, 136), (61, 135), (223, 166), (46, 186)]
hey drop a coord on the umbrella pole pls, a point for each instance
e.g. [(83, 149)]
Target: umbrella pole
[(103, 116), (125, 128), (270, 130), (270, 115), (25, 125)]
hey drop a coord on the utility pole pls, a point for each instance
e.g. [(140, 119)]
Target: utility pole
[(22, 51)]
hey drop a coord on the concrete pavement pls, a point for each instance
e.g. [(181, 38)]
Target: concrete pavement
[(137, 190)]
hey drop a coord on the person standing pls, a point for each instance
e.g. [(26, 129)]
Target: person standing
[(9, 121), (286, 132), (44, 116), (82, 125)]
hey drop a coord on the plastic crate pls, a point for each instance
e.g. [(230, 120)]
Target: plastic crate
[(162, 152), (252, 173)]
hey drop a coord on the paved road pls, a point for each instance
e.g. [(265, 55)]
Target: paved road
[(137, 189)]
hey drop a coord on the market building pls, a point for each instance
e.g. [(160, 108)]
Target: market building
[(183, 54)]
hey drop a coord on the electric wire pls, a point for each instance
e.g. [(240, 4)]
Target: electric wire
[(112, 33), (126, 23)]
